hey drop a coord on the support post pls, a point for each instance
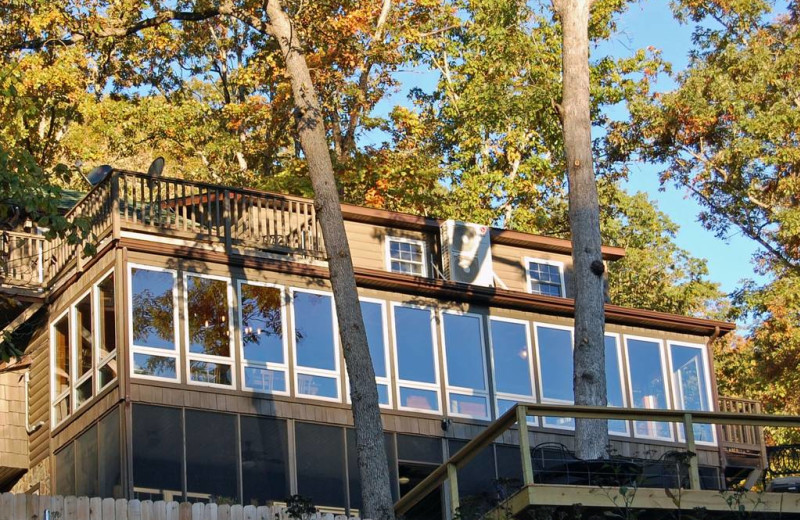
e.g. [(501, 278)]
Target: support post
[(115, 207), (524, 444), (694, 470), (452, 481), (226, 212)]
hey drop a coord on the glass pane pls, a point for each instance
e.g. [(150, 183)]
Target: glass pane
[(320, 464), (414, 448), (559, 422), (108, 338), (156, 366), (262, 324), (463, 342), (419, 399), (474, 406), (205, 372), (614, 384), (647, 384), (308, 384), (313, 316), (511, 356), (86, 484), (383, 394), (61, 409), (211, 456), (265, 466), (157, 451), (207, 304), (264, 380), (352, 468), (108, 372), (65, 471), (62, 354), (373, 323), (83, 320), (509, 469), (110, 456), (555, 357), (691, 386), (84, 392), (477, 479), (415, 354), (153, 311)]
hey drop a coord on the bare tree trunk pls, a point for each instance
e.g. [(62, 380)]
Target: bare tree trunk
[(589, 381), (372, 463)]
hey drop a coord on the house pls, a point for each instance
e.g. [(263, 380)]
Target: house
[(195, 355)]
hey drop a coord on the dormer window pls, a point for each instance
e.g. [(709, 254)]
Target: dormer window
[(405, 255), (545, 277)]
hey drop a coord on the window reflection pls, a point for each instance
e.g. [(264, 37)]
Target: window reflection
[(152, 309), (262, 323), (314, 338), (555, 359), (614, 384), (373, 313), (648, 385), (416, 366), (691, 386), (207, 303), (463, 342)]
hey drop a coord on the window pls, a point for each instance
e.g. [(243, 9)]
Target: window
[(157, 453), (315, 347), (211, 456), (153, 332), (467, 388), (554, 346), (262, 331), (84, 349), (374, 314), (321, 464), (265, 465), (60, 346), (512, 361), (545, 277), (106, 333), (690, 382), (416, 359), (616, 396), (407, 256), (209, 330), (65, 470), (648, 383)]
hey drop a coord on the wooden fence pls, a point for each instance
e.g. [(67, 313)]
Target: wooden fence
[(40, 507)]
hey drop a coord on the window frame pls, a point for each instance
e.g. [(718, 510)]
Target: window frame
[(498, 395), (386, 353), (310, 371), (471, 392), (75, 383), (431, 387), (100, 362), (208, 358), (709, 394), (556, 263), (268, 365), (423, 253), (622, 370), (66, 394), (667, 390), (542, 398), (152, 351)]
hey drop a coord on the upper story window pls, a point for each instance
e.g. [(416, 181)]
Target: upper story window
[(648, 384), (690, 379), (405, 255), (209, 330), (512, 362), (416, 358), (545, 277), (153, 331), (263, 335), (315, 347), (465, 364)]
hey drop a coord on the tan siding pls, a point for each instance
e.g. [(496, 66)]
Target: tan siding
[(40, 400), (13, 437), (509, 265), (368, 243)]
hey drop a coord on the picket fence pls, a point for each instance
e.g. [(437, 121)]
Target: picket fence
[(40, 507)]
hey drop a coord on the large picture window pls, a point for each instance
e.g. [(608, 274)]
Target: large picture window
[(106, 332), (60, 346), (153, 324), (648, 384), (416, 359), (315, 346), (554, 345), (262, 332), (374, 314), (614, 391), (512, 361), (209, 330), (467, 387), (690, 382)]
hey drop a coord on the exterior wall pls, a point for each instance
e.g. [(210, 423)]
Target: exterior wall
[(511, 267), (13, 437), (36, 479), (368, 243)]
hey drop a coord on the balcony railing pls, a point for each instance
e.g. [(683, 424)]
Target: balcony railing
[(125, 201), (742, 438)]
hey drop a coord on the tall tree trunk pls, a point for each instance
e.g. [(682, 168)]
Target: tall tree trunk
[(589, 381), (372, 463)]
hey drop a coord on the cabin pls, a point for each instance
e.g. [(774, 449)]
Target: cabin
[(191, 353)]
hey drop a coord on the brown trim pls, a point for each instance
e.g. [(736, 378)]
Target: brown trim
[(549, 244), (447, 290)]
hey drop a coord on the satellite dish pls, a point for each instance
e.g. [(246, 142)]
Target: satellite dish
[(156, 168), (97, 175)]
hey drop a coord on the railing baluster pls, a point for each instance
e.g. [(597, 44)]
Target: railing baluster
[(524, 445), (452, 479), (694, 470)]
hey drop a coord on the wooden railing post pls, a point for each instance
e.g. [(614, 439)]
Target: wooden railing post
[(694, 470), (115, 206), (452, 481), (524, 445), (226, 215)]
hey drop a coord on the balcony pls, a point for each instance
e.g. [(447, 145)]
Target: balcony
[(139, 206)]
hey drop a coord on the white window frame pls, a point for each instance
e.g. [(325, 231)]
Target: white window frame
[(378, 380), (309, 371), (532, 420), (151, 351), (675, 389), (529, 260), (73, 317), (471, 392), (618, 338), (423, 252), (268, 365), (665, 376), (550, 400), (415, 385), (208, 358), (100, 362), (57, 398)]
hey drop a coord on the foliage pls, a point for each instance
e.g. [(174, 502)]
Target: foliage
[(299, 507)]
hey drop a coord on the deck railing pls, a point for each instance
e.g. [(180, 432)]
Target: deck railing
[(126, 201), (517, 417), (739, 437)]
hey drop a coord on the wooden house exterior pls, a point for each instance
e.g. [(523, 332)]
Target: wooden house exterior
[(195, 354)]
